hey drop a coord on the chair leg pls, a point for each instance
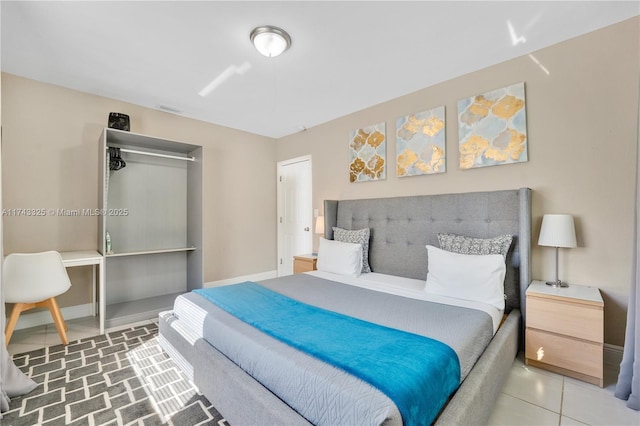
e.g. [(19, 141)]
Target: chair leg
[(52, 304), (17, 309)]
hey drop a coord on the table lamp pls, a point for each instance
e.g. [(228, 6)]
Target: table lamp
[(320, 225), (557, 231)]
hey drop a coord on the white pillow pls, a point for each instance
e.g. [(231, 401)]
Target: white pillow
[(466, 276), (339, 258)]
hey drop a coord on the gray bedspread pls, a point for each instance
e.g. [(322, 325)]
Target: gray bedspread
[(321, 393)]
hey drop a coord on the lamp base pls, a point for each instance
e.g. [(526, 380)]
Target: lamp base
[(557, 283)]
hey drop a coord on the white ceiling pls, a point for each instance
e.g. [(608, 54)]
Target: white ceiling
[(345, 56)]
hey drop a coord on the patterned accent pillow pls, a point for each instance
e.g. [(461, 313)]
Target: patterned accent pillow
[(467, 245), (361, 236)]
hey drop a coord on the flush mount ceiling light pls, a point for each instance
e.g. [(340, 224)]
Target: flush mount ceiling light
[(270, 41)]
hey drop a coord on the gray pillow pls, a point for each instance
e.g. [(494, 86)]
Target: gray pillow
[(468, 245), (361, 236)]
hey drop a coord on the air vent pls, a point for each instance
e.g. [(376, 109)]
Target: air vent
[(170, 109)]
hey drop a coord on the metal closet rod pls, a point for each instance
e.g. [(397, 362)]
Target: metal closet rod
[(153, 154)]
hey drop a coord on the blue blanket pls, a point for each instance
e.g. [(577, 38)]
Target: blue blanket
[(417, 373)]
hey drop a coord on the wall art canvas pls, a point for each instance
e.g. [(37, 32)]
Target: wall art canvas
[(367, 153), (420, 143), (493, 128)]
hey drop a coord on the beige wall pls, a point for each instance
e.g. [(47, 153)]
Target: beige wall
[(583, 137), (2, 307), (582, 129), (50, 160)]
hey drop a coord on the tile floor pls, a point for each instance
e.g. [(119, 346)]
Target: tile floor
[(531, 396), (29, 339)]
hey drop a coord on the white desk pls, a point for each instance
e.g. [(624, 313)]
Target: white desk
[(95, 259)]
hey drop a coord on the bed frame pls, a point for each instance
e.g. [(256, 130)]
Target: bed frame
[(400, 229)]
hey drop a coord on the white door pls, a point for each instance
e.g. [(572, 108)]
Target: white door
[(295, 212)]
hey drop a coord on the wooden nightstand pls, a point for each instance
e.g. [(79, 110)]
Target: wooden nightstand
[(304, 263), (565, 330)]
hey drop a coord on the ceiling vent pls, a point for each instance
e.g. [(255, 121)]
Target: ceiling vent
[(171, 109)]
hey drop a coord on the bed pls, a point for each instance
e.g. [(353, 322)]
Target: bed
[(253, 378)]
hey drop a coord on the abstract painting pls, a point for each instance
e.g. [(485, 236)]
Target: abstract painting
[(493, 128), (367, 153), (420, 143)]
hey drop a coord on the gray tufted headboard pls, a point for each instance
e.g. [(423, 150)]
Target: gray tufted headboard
[(402, 226)]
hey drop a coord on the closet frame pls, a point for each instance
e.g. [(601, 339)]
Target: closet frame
[(147, 272)]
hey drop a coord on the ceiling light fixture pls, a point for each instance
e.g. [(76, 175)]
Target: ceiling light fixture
[(270, 41)]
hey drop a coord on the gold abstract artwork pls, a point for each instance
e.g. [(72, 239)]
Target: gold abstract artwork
[(367, 153), (420, 143), (493, 128)]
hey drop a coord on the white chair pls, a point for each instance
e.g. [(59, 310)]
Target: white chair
[(33, 280)]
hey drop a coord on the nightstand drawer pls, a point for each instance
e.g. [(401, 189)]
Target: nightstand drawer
[(304, 264), (565, 317), (564, 352)]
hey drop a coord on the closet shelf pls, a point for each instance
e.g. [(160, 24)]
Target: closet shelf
[(132, 311), (159, 247), (143, 252)]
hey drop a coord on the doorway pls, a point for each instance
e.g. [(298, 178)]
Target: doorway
[(295, 211)]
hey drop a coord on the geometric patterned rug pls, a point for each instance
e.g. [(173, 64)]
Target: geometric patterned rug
[(119, 378)]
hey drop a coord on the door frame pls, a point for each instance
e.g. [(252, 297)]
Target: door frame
[(280, 235)]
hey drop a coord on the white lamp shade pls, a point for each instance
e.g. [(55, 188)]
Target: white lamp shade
[(320, 225), (557, 230)]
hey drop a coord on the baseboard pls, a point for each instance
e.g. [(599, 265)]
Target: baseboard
[(254, 277), (34, 319), (612, 354)]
